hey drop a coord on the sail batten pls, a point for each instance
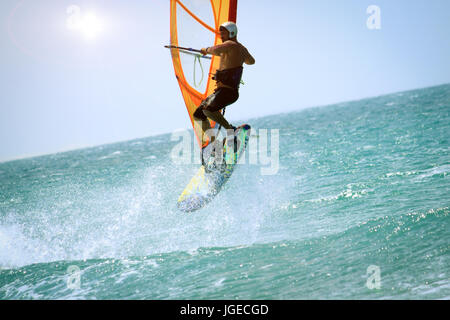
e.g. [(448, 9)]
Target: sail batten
[(195, 17)]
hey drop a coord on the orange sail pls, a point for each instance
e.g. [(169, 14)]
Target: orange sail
[(195, 23)]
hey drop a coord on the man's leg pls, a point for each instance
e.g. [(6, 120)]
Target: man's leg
[(222, 98), (217, 117), (200, 120)]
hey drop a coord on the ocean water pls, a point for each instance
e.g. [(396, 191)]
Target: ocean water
[(358, 208)]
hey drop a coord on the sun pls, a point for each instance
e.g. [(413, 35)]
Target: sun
[(91, 26), (88, 24)]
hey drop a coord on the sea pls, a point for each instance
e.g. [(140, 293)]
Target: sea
[(345, 201)]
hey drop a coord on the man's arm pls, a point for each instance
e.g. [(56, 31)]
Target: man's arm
[(215, 50), (248, 58)]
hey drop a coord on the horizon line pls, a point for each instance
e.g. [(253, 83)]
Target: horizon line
[(71, 149)]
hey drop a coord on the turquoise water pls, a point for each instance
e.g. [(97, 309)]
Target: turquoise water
[(360, 185)]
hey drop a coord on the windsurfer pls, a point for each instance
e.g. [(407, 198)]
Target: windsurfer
[(232, 56)]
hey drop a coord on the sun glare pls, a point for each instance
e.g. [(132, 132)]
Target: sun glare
[(88, 24), (91, 26)]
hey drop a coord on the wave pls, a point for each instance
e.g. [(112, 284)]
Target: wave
[(327, 267)]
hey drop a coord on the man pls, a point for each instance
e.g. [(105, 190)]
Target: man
[(232, 56)]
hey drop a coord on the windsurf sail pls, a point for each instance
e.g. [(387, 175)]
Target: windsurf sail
[(195, 24)]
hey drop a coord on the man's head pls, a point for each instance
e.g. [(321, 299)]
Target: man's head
[(228, 31)]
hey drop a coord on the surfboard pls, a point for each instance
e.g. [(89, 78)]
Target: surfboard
[(211, 176)]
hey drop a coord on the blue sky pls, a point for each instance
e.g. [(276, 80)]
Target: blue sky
[(62, 90)]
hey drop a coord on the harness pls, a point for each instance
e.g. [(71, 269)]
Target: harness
[(230, 77)]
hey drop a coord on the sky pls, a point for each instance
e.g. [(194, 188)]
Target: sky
[(67, 85)]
